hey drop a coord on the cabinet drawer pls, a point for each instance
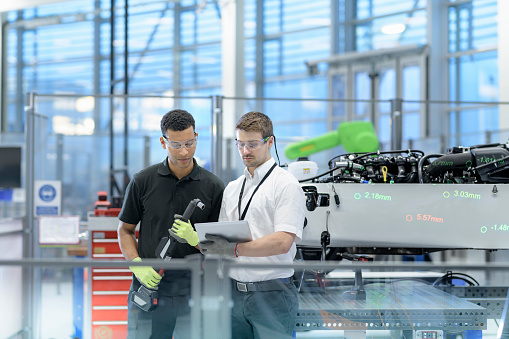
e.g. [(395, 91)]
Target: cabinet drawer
[(110, 284), (110, 330), (115, 272), (109, 313), (104, 234), (106, 246), (109, 298)]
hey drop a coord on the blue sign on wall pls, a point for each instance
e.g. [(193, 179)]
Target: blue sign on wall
[(47, 197), (47, 193)]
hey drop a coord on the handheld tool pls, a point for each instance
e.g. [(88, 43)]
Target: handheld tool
[(146, 298)]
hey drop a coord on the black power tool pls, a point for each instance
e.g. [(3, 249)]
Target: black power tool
[(146, 298)]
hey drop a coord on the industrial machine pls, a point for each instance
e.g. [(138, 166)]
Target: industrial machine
[(406, 202), (403, 202)]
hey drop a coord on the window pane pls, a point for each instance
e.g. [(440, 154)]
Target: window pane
[(472, 25), (288, 54), (478, 77), (362, 92), (339, 92)]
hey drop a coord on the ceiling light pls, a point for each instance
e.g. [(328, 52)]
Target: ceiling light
[(85, 104), (393, 29)]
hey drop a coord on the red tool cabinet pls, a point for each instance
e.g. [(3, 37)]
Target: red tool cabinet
[(108, 286)]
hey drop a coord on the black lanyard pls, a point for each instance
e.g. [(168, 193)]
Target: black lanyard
[(241, 217)]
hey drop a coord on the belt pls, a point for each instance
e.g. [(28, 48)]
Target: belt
[(267, 285)]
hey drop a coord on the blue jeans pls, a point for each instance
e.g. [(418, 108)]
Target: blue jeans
[(265, 315)]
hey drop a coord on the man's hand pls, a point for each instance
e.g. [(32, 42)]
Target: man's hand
[(183, 231), (173, 234), (218, 245), (145, 274)]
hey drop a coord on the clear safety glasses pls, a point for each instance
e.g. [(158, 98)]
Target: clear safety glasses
[(179, 144), (251, 145)]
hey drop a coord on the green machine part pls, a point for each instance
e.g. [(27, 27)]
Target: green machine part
[(355, 136)]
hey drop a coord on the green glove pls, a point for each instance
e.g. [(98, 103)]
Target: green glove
[(184, 230), (173, 234), (145, 274), (218, 245)]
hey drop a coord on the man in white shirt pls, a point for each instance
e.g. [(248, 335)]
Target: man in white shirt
[(273, 203)]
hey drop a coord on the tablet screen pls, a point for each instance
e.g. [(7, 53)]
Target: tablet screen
[(233, 231)]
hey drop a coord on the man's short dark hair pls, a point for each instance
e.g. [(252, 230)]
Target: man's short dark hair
[(177, 120), (255, 122)]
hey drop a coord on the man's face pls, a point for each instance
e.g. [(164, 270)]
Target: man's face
[(253, 150), (180, 147)]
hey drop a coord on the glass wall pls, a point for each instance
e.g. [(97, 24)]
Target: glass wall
[(174, 49), (473, 68), (389, 23)]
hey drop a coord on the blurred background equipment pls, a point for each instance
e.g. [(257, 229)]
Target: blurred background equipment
[(10, 167), (354, 136)]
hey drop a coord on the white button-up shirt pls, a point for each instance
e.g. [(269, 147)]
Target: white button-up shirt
[(278, 205)]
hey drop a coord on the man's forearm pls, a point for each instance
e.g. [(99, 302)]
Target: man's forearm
[(272, 244), (127, 244)]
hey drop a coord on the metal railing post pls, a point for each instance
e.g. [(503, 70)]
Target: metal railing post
[(217, 136), (216, 300), (487, 136), (396, 123), (28, 251), (146, 151), (196, 299), (443, 143), (60, 157)]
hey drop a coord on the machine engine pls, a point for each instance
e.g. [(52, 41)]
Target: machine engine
[(470, 165), (354, 208), (376, 167), (460, 165)]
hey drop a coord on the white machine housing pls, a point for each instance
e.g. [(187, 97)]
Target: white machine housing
[(441, 216)]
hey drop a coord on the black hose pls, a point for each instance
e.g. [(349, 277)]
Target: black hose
[(362, 155), (348, 165), (456, 275), (421, 162), (320, 175), (408, 151)]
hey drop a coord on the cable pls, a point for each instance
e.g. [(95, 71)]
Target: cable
[(358, 180), (421, 162), (275, 147), (362, 155), (330, 171), (320, 175), (408, 151), (456, 275)]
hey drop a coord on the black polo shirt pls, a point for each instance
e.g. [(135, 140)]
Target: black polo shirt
[(155, 195)]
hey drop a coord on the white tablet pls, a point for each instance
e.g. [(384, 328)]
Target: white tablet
[(233, 231)]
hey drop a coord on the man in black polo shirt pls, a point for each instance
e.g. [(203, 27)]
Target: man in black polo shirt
[(152, 198)]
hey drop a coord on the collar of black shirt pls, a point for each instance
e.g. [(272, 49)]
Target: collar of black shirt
[(164, 169)]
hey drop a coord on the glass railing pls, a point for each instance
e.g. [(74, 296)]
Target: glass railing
[(84, 298)]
